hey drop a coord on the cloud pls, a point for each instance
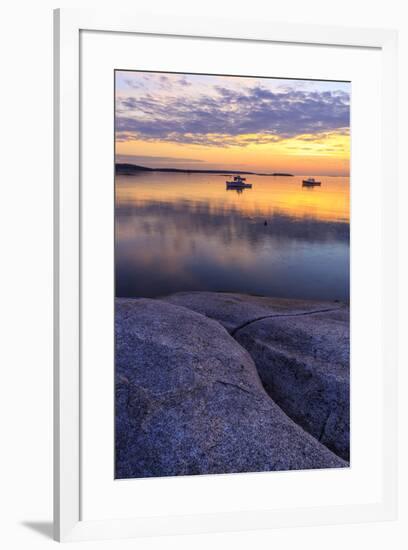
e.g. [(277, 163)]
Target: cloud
[(157, 81), (156, 160), (184, 82), (231, 116)]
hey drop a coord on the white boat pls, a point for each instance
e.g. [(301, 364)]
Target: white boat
[(310, 182), (238, 183)]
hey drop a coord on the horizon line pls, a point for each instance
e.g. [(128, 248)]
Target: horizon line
[(224, 170)]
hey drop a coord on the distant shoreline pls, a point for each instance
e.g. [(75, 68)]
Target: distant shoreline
[(125, 169)]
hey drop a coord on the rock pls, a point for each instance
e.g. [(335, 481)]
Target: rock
[(189, 401), (303, 362), (235, 310), (301, 351)]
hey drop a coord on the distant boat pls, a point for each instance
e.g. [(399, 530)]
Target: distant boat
[(238, 183), (310, 182)]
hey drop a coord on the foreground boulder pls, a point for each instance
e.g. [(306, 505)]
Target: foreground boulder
[(301, 351), (189, 401)]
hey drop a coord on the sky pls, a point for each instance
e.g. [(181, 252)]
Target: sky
[(226, 122)]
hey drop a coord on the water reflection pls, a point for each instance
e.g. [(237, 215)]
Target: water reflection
[(237, 190), (185, 232)]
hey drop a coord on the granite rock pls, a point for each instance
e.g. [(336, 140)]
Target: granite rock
[(189, 401), (301, 351), (303, 362), (235, 310)]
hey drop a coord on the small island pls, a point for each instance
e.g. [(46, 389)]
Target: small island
[(126, 169)]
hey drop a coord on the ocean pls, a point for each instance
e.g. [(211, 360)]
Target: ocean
[(183, 232)]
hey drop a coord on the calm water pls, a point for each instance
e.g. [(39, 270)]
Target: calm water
[(187, 232)]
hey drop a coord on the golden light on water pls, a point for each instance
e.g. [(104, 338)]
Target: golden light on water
[(269, 195)]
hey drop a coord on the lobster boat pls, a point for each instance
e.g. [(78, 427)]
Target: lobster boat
[(238, 183), (310, 182)]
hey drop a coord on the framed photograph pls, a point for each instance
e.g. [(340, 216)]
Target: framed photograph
[(225, 275)]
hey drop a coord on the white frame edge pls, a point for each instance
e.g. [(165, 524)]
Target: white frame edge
[(67, 26)]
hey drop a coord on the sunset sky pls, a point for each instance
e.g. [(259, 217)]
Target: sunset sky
[(216, 122)]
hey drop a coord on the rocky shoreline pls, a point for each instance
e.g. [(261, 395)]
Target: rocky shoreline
[(212, 382)]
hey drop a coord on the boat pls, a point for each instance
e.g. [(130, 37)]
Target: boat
[(238, 182), (310, 182)]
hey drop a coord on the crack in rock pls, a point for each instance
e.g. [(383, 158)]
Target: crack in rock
[(277, 315), (324, 426), (234, 386)]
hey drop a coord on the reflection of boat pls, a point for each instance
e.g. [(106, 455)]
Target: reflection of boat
[(310, 182), (238, 190), (238, 183)]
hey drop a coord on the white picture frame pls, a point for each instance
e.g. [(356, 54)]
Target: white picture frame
[(68, 25)]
